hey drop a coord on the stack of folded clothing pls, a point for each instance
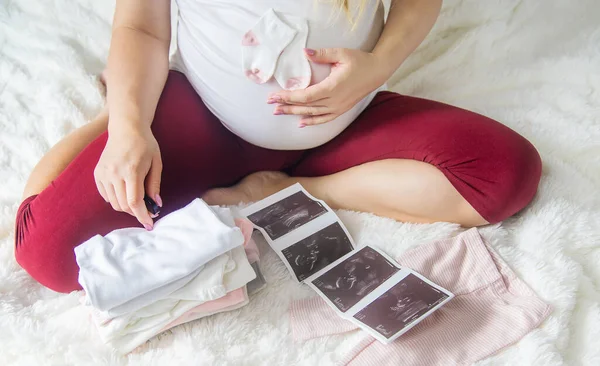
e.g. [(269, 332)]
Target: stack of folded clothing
[(197, 261)]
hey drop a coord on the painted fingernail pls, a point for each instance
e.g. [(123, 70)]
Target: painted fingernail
[(274, 99), (310, 51), (153, 216), (277, 112), (302, 125), (158, 200), (148, 227)]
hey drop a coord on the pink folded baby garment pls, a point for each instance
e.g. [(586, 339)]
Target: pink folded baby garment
[(233, 300), (492, 309), (253, 255)]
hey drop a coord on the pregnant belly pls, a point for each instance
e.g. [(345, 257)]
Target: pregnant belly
[(242, 107), (214, 68)]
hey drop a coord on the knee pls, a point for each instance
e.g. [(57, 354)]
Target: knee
[(517, 179), (500, 176), (43, 254)]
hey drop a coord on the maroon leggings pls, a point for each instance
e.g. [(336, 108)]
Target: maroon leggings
[(496, 170)]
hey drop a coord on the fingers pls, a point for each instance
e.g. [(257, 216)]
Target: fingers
[(101, 190), (109, 194), (128, 196), (324, 101), (326, 55), (301, 110), (317, 120), (112, 198), (313, 115), (153, 179), (312, 94), (121, 193), (135, 200)]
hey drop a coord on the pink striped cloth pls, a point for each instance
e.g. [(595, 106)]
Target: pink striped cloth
[(492, 309)]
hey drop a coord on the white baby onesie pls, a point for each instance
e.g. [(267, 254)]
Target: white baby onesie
[(207, 285), (128, 332), (133, 263)]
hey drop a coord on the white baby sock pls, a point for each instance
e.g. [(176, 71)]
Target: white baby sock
[(293, 70), (262, 46)]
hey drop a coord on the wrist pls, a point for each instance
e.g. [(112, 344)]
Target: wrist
[(390, 56), (127, 115), (384, 66), (126, 125)]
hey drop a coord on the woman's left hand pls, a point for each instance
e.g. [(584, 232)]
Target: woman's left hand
[(354, 74)]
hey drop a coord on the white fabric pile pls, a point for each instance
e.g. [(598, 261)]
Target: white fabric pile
[(534, 65), (138, 282)]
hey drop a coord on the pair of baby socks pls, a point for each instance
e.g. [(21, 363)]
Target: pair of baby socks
[(275, 48)]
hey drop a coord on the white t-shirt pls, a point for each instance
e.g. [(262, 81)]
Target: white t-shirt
[(209, 35)]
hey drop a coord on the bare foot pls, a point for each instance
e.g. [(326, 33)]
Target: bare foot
[(253, 188)]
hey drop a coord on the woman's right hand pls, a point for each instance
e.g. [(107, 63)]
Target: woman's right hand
[(129, 167)]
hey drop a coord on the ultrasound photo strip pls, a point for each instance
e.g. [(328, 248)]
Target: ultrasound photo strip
[(370, 289), (305, 233), (403, 305), (317, 251), (287, 214), (364, 285), (354, 278)]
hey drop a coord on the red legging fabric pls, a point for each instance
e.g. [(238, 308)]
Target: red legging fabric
[(495, 169)]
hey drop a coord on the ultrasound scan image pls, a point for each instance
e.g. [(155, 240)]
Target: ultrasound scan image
[(354, 278), (401, 305), (317, 251), (287, 215)]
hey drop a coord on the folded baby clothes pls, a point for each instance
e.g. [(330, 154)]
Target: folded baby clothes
[(218, 249), (492, 309), (126, 333), (234, 299), (219, 286), (153, 263), (207, 285)]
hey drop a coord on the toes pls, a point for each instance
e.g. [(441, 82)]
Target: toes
[(253, 188), (214, 196), (223, 197)]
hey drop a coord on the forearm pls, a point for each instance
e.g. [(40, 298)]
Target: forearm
[(136, 74), (138, 62), (408, 22)]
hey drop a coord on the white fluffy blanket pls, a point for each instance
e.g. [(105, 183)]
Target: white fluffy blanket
[(535, 65)]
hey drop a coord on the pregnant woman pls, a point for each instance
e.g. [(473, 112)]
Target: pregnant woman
[(262, 94)]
